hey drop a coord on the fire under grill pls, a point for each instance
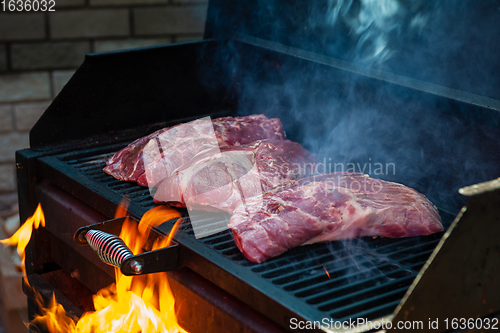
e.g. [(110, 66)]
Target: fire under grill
[(342, 280)]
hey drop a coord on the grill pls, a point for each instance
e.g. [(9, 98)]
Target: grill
[(366, 278), (361, 272), (376, 271)]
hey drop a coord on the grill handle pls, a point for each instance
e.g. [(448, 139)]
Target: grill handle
[(113, 251)]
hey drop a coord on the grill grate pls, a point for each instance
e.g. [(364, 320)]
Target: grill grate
[(92, 167), (359, 278), (363, 280)]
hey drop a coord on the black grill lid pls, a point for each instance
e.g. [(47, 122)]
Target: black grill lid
[(118, 96), (450, 43)]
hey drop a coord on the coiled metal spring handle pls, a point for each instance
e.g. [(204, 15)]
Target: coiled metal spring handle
[(111, 249)]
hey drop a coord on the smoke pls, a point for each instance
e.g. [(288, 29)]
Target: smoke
[(436, 146), (346, 118), (371, 22)]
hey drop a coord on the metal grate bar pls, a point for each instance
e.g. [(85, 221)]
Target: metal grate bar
[(360, 301), (374, 312), (334, 279)]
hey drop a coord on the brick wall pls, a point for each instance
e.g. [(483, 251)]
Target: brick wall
[(40, 51)]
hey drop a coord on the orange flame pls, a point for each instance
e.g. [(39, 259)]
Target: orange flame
[(326, 272), (22, 236), (132, 304), (121, 210), (139, 303), (54, 317)]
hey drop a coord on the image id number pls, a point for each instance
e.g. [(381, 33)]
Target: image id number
[(28, 5), (472, 323)]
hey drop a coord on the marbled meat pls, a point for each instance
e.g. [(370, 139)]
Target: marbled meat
[(330, 207), (150, 159), (224, 180)]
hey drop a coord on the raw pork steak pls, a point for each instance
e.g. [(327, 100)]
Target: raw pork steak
[(330, 207), (163, 151)]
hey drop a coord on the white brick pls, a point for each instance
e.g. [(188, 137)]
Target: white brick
[(6, 118), (25, 56), (59, 80), (24, 87), (170, 20), (12, 142), (22, 26), (7, 177), (3, 58), (27, 114), (69, 3), (126, 2), (123, 44), (89, 23), (8, 201)]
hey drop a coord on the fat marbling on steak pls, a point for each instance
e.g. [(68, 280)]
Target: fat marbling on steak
[(223, 180), (330, 207), (163, 151)]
